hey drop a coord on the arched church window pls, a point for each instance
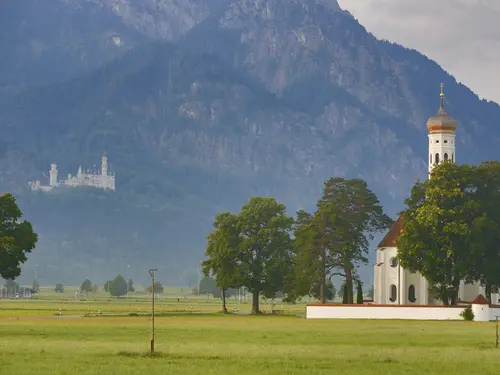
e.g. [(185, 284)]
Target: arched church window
[(445, 156), (411, 293), (430, 158), (393, 262), (393, 292), (452, 158), (436, 159)]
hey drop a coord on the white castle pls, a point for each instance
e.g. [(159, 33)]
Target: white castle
[(102, 179)]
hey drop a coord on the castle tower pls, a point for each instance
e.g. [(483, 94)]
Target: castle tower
[(53, 175), (442, 129), (104, 165)]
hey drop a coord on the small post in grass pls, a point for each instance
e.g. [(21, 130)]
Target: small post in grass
[(152, 273)]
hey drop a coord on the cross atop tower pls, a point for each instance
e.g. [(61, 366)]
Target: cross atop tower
[(442, 95)]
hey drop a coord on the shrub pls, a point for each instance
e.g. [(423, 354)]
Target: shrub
[(359, 294), (467, 314)]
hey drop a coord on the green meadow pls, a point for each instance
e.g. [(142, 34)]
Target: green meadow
[(193, 338)]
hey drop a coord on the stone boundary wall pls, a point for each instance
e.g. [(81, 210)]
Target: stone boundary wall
[(482, 312)]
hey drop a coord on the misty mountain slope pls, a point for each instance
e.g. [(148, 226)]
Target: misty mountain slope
[(257, 98), (42, 41)]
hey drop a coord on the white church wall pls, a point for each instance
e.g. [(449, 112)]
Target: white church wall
[(390, 290), (376, 281), (384, 312), (414, 298), (481, 313)]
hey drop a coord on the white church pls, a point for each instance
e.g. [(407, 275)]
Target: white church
[(102, 179), (392, 283)]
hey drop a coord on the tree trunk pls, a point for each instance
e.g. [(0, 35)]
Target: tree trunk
[(322, 285), (454, 293), (223, 296), (322, 298), (255, 302), (444, 297), (348, 283), (454, 298), (487, 291)]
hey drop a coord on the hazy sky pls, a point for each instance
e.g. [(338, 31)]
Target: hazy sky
[(463, 36)]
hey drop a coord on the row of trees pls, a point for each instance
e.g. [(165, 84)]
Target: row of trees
[(267, 252), (452, 229), (117, 287), (208, 286)]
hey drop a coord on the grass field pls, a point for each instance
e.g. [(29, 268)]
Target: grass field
[(34, 341)]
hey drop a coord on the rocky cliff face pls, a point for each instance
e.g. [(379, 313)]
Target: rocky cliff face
[(53, 40), (242, 98)]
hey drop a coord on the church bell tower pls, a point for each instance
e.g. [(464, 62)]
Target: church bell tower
[(442, 129)]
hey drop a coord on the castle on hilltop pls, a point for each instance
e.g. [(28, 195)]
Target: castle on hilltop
[(102, 179)]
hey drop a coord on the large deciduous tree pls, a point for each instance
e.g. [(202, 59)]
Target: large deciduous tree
[(17, 238), (59, 288), (265, 251), (438, 236), (252, 249), (222, 245), (131, 287), (86, 286), (118, 286), (335, 239), (330, 293), (158, 288), (208, 286)]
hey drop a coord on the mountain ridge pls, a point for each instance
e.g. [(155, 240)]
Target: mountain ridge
[(242, 104)]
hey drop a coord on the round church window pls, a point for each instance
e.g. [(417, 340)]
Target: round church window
[(393, 262)]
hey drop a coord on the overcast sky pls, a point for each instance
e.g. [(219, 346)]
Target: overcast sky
[(463, 36)]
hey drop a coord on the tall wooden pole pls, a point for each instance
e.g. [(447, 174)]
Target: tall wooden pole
[(496, 341), (152, 273)]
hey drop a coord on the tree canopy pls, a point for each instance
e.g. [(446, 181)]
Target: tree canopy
[(59, 288), (17, 238), (118, 286), (158, 288), (86, 286), (221, 249)]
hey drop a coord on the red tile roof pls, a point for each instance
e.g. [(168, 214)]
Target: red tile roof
[(480, 300), (393, 234)]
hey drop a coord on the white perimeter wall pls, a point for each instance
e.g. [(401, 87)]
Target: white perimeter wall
[(481, 312)]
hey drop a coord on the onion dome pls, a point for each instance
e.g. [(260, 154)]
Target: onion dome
[(442, 121)]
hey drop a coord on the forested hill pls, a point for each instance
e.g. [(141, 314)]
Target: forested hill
[(253, 98)]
